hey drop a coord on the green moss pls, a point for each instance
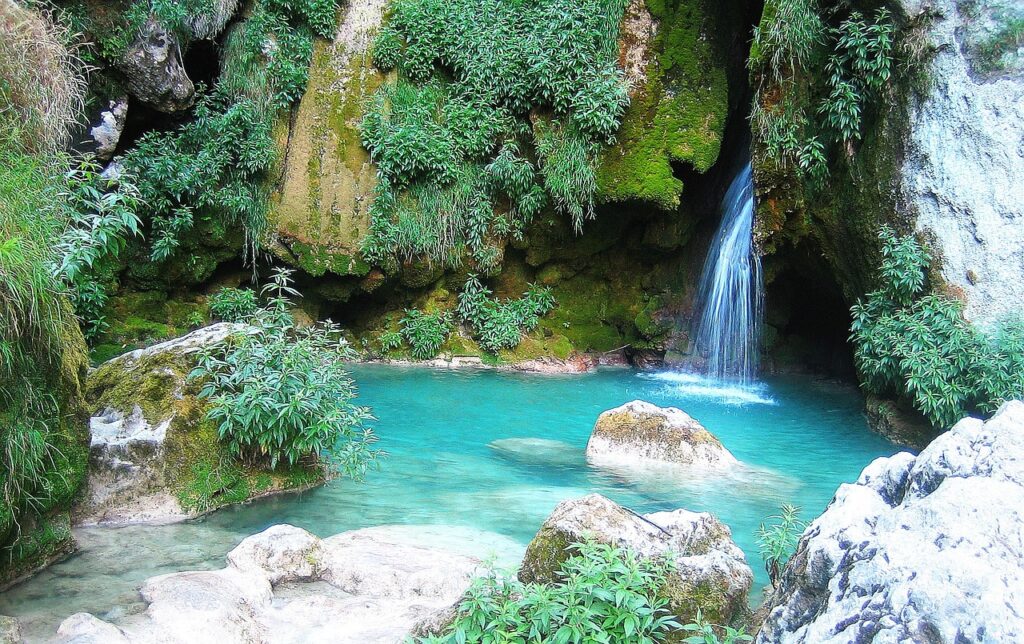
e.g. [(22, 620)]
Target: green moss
[(546, 553), (678, 116), (38, 545)]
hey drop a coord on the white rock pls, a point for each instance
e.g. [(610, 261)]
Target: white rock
[(919, 549), (287, 585), (963, 168), (639, 431)]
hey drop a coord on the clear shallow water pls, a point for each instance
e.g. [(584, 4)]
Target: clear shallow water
[(800, 438)]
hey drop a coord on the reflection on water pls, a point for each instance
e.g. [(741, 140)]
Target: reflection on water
[(465, 462)]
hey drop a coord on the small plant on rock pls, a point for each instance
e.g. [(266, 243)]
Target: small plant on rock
[(705, 633), (607, 594), (778, 540)]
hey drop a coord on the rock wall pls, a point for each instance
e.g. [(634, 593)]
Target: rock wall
[(963, 170), (919, 549)]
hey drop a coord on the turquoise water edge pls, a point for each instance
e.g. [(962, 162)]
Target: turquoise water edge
[(800, 438)]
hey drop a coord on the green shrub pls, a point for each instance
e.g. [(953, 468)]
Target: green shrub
[(606, 594), (280, 394), (777, 541), (911, 343), (101, 216), (452, 138), (390, 341), (216, 164), (500, 324), (425, 332), (233, 304)]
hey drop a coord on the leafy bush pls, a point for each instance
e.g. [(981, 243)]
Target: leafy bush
[(914, 344), (447, 136), (606, 594), (101, 216), (216, 164), (816, 83), (500, 324), (233, 304), (426, 332), (281, 394), (389, 341), (778, 540), (859, 68)]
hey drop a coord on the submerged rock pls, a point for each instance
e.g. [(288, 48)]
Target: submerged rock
[(906, 427), (711, 572), (287, 585), (919, 549), (537, 451), (153, 69), (154, 455), (640, 431)]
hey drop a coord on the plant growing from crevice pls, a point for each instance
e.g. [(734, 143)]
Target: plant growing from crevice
[(280, 394), (234, 304), (777, 540), (101, 217), (706, 633), (915, 344), (425, 332), (498, 109), (605, 594), (500, 324)]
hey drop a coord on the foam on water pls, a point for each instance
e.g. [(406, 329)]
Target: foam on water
[(726, 392)]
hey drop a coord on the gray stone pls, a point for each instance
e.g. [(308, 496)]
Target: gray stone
[(287, 585), (711, 571), (106, 132), (919, 549), (10, 630), (639, 431), (963, 167), (154, 71)]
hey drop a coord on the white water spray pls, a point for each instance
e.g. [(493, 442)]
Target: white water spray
[(731, 293)]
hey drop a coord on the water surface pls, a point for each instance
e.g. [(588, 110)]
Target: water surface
[(800, 438)]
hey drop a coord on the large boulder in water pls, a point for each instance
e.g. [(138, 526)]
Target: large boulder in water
[(639, 431), (919, 549), (711, 572), (154, 455), (287, 585)]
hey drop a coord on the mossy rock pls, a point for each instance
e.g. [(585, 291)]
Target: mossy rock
[(678, 107), (322, 191), (711, 574), (146, 411)]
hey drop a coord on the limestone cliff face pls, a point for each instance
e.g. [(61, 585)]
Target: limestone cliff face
[(942, 154), (326, 181), (963, 170)]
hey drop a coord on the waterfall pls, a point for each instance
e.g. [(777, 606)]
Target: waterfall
[(731, 296)]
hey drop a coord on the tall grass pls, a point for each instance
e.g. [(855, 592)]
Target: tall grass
[(42, 86)]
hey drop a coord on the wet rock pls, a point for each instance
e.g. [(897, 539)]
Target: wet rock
[(83, 628), (919, 549), (711, 572), (287, 585), (106, 132), (906, 427), (154, 72), (639, 431)]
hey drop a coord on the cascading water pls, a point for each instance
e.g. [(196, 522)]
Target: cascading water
[(731, 293)]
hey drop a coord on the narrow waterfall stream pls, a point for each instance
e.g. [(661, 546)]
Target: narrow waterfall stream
[(731, 295)]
